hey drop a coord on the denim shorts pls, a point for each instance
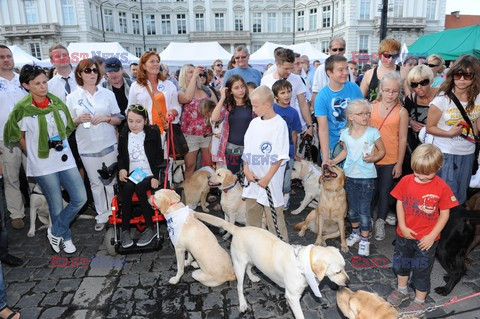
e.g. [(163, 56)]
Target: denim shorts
[(456, 172), (408, 257), (359, 196)]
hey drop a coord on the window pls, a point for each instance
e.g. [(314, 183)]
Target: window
[(286, 22), (68, 10), (364, 9), (138, 52), (313, 19), (35, 50), (398, 8), (98, 16), (335, 14), (325, 46), (165, 22), (31, 10), (343, 12), (363, 44), (135, 23), (90, 6), (219, 22), (326, 16), (199, 22), (255, 47), (108, 19), (257, 22), (238, 21), (122, 21), (152, 49), (271, 22), (181, 24), (150, 23), (431, 6), (300, 20)]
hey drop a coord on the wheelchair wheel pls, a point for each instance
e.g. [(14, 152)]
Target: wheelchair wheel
[(107, 241)]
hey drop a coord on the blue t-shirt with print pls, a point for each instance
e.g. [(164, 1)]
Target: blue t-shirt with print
[(355, 166), (333, 105), (248, 74), (290, 115)]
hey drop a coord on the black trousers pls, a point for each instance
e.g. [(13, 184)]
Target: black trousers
[(126, 192)]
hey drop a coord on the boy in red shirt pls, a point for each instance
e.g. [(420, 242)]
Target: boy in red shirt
[(423, 207)]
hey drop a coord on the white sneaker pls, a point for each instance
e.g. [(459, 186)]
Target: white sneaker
[(391, 220), (364, 248), (380, 229), (69, 247), (54, 241), (353, 239)]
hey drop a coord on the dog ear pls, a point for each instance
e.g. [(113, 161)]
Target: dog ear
[(304, 168), (319, 268), (229, 179)]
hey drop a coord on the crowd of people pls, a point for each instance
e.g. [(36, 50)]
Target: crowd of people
[(65, 126)]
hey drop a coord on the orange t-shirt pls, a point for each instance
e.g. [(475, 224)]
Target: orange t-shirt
[(156, 118), (389, 132)]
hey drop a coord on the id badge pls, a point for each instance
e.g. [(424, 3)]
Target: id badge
[(87, 124)]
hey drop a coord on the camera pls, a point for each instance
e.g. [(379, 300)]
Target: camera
[(107, 173), (57, 145)]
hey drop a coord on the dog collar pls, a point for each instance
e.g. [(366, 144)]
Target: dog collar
[(306, 267), (226, 189)]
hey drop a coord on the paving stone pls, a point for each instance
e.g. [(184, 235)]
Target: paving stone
[(141, 294), (94, 291), (146, 307), (213, 300), (67, 285), (19, 274), (122, 294), (121, 310), (29, 300), (21, 288), (52, 299), (148, 279), (31, 312), (67, 299), (42, 274), (38, 262), (45, 285), (12, 297), (86, 314), (214, 314), (63, 272), (53, 313), (128, 281)]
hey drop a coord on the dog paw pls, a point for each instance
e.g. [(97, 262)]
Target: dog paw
[(226, 236), (31, 234), (344, 248), (205, 210), (441, 291), (243, 307), (174, 280), (254, 278), (301, 233)]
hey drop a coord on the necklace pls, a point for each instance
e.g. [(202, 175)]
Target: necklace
[(387, 108)]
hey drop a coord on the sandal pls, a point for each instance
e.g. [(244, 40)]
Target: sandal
[(12, 314)]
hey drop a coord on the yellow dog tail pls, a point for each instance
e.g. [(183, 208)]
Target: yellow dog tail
[(217, 222)]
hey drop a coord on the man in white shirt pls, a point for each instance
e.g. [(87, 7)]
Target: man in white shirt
[(320, 79), (63, 83), (284, 61)]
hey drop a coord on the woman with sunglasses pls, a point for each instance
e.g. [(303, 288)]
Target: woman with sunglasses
[(41, 123), (194, 125), (450, 130), (388, 52), (437, 64), (419, 80), (96, 114)]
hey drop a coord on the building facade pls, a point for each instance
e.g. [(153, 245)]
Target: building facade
[(140, 25)]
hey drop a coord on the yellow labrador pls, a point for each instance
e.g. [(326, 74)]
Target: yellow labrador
[(196, 188), (364, 305), (309, 173), (286, 265), (195, 238), (330, 227)]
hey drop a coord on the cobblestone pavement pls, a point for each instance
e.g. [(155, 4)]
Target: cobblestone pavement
[(97, 288)]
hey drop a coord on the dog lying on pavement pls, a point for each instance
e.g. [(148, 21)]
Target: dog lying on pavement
[(364, 305), (286, 265), (309, 173), (196, 239)]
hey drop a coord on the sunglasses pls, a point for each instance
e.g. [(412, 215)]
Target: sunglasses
[(219, 65), (422, 83), (90, 70), (202, 75), (338, 49), (432, 65), (138, 107), (466, 76), (388, 56), (240, 57)]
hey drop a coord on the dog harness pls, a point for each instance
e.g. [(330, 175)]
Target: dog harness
[(306, 268), (175, 221)]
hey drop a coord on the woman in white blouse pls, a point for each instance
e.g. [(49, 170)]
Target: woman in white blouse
[(95, 112)]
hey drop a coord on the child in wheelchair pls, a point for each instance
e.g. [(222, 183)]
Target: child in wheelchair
[(140, 157)]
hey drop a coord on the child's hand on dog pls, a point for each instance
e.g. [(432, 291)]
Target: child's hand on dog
[(154, 183), (122, 175)]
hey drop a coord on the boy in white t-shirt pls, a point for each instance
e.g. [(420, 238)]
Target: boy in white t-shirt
[(264, 158)]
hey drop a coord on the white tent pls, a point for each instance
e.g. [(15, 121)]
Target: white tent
[(80, 51), (21, 57), (177, 54), (306, 48)]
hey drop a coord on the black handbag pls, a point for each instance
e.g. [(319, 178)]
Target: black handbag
[(177, 144)]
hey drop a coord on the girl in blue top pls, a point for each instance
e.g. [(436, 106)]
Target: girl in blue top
[(359, 141)]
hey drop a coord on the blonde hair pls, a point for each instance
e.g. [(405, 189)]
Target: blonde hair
[(262, 94), (355, 106), (426, 159), (419, 73), (391, 76), (440, 61), (182, 77)]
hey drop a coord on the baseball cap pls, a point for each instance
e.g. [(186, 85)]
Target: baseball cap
[(112, 64)]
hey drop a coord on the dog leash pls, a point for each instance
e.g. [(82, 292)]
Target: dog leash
[(274, 213), (412, 314)]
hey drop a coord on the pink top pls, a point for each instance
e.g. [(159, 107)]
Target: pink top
[(193, 123)]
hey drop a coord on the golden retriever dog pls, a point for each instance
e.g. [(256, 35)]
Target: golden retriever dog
[(286, 265), (364, 305), (232, 203), (196, 188), (196, 239), (330, 227), (309, 173), (332, 204)]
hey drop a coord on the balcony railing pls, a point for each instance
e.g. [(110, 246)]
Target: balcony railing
[(29, 30)]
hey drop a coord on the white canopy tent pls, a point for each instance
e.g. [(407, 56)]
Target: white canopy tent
[(21, 57), (80, 51), (176, 54)]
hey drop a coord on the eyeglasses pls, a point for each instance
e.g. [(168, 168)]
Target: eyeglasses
[(338, 49), (240, 57), (391, 91), (466, 76), (363, 114), (388, 55), (422, 83), (90, 70), (432, 65), (138, 107), (219, 65)]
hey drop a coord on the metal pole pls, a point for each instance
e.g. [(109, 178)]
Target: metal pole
[(101, 15), (143, 26), (293, 19), (383, 24)]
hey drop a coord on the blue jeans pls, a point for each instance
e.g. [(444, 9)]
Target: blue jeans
[(3, 290), (456, 172), (287, 177), (359, 197), (51, 185)]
